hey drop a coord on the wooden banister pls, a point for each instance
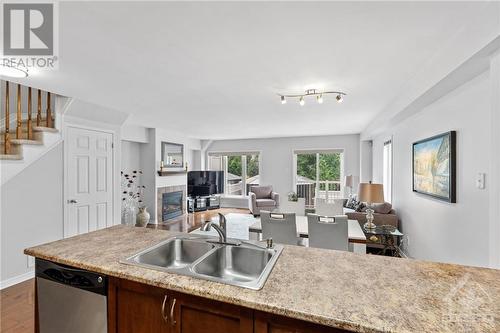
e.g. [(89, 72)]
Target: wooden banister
[(6, 148), (39, 109), (19, 115), (49, 111), (30, 125)]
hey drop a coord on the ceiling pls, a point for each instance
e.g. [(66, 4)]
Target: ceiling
[(212, 70)]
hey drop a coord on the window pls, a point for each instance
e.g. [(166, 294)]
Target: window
[(387, 170), (319, 175), (241, 170)]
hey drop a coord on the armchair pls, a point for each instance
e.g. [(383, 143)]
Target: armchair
[(262, 198)]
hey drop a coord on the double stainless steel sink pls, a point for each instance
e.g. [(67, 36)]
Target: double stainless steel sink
[(246, 264)]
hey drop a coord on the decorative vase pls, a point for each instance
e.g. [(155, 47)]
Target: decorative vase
[(142, 217), (129, 211)]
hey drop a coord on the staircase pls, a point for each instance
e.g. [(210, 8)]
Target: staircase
[(27, 127)]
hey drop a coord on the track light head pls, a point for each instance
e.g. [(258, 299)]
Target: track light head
[(339, 98), (319, 98), (301, 101), (283, 100)]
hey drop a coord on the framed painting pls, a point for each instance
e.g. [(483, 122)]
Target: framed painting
[(434, 166)]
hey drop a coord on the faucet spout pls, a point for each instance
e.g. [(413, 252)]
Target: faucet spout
[(221, 230)]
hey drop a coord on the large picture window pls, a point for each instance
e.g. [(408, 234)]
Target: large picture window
[(241, 170), (319, 174)]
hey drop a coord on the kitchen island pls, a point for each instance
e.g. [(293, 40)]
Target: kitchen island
[(308, 290)]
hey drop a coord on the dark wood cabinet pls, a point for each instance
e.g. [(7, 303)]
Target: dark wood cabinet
[(199, 315), (270, 323), (136, 307)]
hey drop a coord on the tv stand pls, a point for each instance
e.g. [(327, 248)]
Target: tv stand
[(202, 203)]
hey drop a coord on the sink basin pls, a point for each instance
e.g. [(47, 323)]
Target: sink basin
[(234, 263), (246, 265), (174, 253)]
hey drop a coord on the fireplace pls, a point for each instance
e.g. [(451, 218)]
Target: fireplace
[(172, 205), (170, 202)]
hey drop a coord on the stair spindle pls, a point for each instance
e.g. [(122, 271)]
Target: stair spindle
[(39, 109), (49, 111), (30, 125), (6, 148), (19, 116)]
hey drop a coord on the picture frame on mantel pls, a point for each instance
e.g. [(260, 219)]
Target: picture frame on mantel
[(172, 155), (434, 166)]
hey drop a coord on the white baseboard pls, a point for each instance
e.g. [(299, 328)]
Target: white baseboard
[(17, 279)]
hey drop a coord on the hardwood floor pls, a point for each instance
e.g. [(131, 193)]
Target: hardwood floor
[(17, 308), (17, 302)]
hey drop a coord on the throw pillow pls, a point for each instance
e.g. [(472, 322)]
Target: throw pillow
[(384, 208), (352, 204), (360, 206)]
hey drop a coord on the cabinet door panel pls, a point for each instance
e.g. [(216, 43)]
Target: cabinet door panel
[(269, 323), (134, 307), (199, 315)]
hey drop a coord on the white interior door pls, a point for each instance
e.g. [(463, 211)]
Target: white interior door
[(89, 181)]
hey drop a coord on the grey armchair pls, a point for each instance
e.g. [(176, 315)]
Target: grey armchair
[(262, 198)]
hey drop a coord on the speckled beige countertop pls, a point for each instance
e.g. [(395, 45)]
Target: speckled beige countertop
[(363, 293)]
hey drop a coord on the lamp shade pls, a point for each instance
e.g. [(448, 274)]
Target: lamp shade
[(371, 193), (348, 181)]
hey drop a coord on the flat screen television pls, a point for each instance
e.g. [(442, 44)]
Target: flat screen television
[(204, 183)]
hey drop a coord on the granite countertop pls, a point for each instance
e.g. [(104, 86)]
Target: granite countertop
[(362, 293)]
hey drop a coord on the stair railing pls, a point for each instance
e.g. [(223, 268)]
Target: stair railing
[(47, 122)]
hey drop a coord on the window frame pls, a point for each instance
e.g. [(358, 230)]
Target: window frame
[(243, 156), (318, 151)]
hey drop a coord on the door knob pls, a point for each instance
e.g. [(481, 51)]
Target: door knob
[(72, 201)]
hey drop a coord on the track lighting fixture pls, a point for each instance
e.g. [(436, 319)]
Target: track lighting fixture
[(313, 92)]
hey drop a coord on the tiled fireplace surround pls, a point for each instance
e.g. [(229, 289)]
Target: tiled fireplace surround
[(159, 197)]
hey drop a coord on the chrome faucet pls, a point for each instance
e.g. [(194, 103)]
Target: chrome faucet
[(221, 230)]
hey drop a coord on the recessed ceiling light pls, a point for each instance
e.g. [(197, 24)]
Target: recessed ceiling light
[(12, 72)]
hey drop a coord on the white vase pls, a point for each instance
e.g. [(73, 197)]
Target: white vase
[(142, 218)]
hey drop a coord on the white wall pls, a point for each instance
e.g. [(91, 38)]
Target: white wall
[(276, 158), (131, 156), (365, 155), (436, 230), (31, 212)]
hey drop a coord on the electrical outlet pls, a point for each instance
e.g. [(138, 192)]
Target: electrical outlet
[(31, 261)]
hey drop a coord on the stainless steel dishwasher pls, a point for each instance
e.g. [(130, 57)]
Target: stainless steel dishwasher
[(70, 300)]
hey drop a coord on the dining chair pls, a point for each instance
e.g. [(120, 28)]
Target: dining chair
[(325, 208), (281, 227), (328, 232), (298, 207)]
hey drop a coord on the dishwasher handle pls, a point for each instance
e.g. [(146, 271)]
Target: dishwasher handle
[(74, 277)]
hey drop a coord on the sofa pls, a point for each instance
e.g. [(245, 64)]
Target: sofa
[(384, 215), (262, 198)]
